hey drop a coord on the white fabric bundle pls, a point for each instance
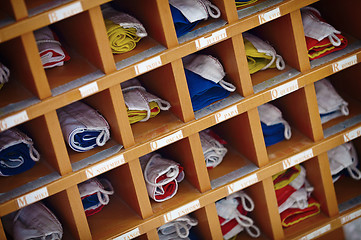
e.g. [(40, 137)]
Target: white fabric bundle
[(177, 229), (4, 74), (50, 49), (209, 68), (317, 29), (267, 49), (79, 118), (156, 167), (195, 10), (34, 221), (330, 104), (137, 98), (213, 150)]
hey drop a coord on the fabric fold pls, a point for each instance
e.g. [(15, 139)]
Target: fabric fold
[(213, 150), (4, 74), (187, 14), (241, 3), (205, 79), (83, 127), (260, 54), (178, 228), (17, 152), (275, 129), (321, 37), (95, 194), (52, 53), (124, 31), (141, 105), (34, 221), (330, 104), (161, 176)]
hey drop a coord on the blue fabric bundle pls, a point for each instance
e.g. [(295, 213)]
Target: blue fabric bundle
[(202, 91), (273, 134), (181, 23), (17, 153)]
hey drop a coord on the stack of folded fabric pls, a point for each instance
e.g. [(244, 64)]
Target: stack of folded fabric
[(34, 221), (212, 146), (293, 193), (241, 3), (344, 160), (330, 104), (17, 152), (94, 194), (4, 74), (321, 37), (83, 127), (232, 213), (51, 51), (124, 31), (188, 13), (205, 75), (141, 105), (161, 176), (260, 54), (275, 128), (178, 229)]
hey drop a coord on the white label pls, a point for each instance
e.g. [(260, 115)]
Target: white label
[(298, 158), (148, 65), (105, 166), (268, 16), (352, 134), (215, 37), (32, 197), (89, 89), (129, 235), (345, 63), (226, 114), (284, 89), (65, 12), (351, 216), (317, 233), (242, 183), (166, 140), (184, 210), (13, 120)]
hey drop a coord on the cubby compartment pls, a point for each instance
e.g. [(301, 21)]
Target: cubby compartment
[(65, 208), (235, 85), (27, 83), (89, 60), (320, 179), (342, 21), (258, 206), (300, 115), (191, 174), (154, 20), (346, 85), (347, 188), (6, 14), (104, 126), (171, 88), (37, 7), (245, 153), (213, 17), (290, 59), (127, 206), (51, 165)]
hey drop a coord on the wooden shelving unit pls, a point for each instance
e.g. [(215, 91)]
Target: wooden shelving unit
[(33, 95)]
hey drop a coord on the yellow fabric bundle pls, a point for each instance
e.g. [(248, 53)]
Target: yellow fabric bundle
[(241, 3), (256, 60), (136, 116), (121, 39), (284, 177)]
